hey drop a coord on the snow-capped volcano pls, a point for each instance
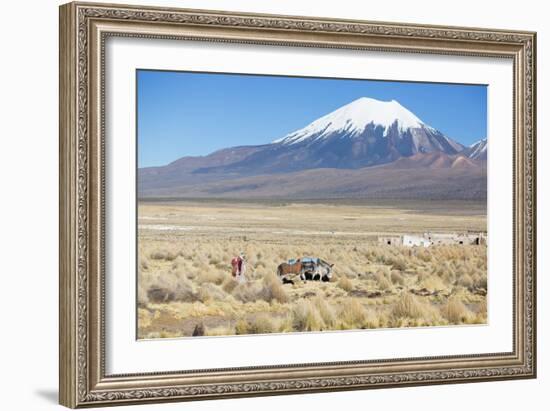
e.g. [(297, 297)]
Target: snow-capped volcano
[(363, 133), (353, 118), (374, 120)]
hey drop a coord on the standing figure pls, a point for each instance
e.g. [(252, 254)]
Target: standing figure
[(238, 267)]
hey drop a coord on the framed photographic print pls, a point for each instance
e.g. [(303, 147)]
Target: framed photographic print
[(259, 204)]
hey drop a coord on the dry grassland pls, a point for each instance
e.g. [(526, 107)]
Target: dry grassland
[(185, 286)]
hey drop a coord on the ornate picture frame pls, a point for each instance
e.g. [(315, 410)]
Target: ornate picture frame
[(84, 29)]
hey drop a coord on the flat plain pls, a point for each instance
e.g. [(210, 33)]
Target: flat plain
[(185, 286)]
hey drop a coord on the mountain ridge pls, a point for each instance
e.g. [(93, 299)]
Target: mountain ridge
[(477, 150)]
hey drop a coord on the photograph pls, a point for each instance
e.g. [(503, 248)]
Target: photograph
[(285, 204), (360, 192)]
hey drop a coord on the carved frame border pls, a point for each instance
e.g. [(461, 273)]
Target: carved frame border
[(83, 30)]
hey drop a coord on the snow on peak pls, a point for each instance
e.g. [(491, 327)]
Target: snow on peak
[(481, 143), (478, 149), (354, 117)]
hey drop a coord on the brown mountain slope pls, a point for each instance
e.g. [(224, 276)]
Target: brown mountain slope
[(423, 176), (434, 160)]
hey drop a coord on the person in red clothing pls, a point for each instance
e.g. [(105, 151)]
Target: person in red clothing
[(238, 267)]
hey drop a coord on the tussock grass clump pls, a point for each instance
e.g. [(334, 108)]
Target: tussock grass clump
[(214, 261), (241, 327), (211, 292), (259, 324), (448, 277), (433, 283), (272, 289), (219, 331), (163, 255), (212, 276), (409, 306), (145, 318), (482, 308), (383, 282), (455, 311), (345, 284), (269, 289), (465, 281), (353, 314), (142, 297), (169, 286), (481, 280), (397, 278), (397, 263), (306, 317), (480, 313), (229, 285), (262, 324), (325, 311), (247, 292), (424, 255)]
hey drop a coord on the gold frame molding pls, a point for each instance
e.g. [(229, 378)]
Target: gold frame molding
[(84, 27)]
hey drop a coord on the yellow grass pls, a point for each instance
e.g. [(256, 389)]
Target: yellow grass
[(455, 311), (184, 271), (345, 284)]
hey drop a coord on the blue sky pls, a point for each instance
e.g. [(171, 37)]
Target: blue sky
[(188, 114)]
